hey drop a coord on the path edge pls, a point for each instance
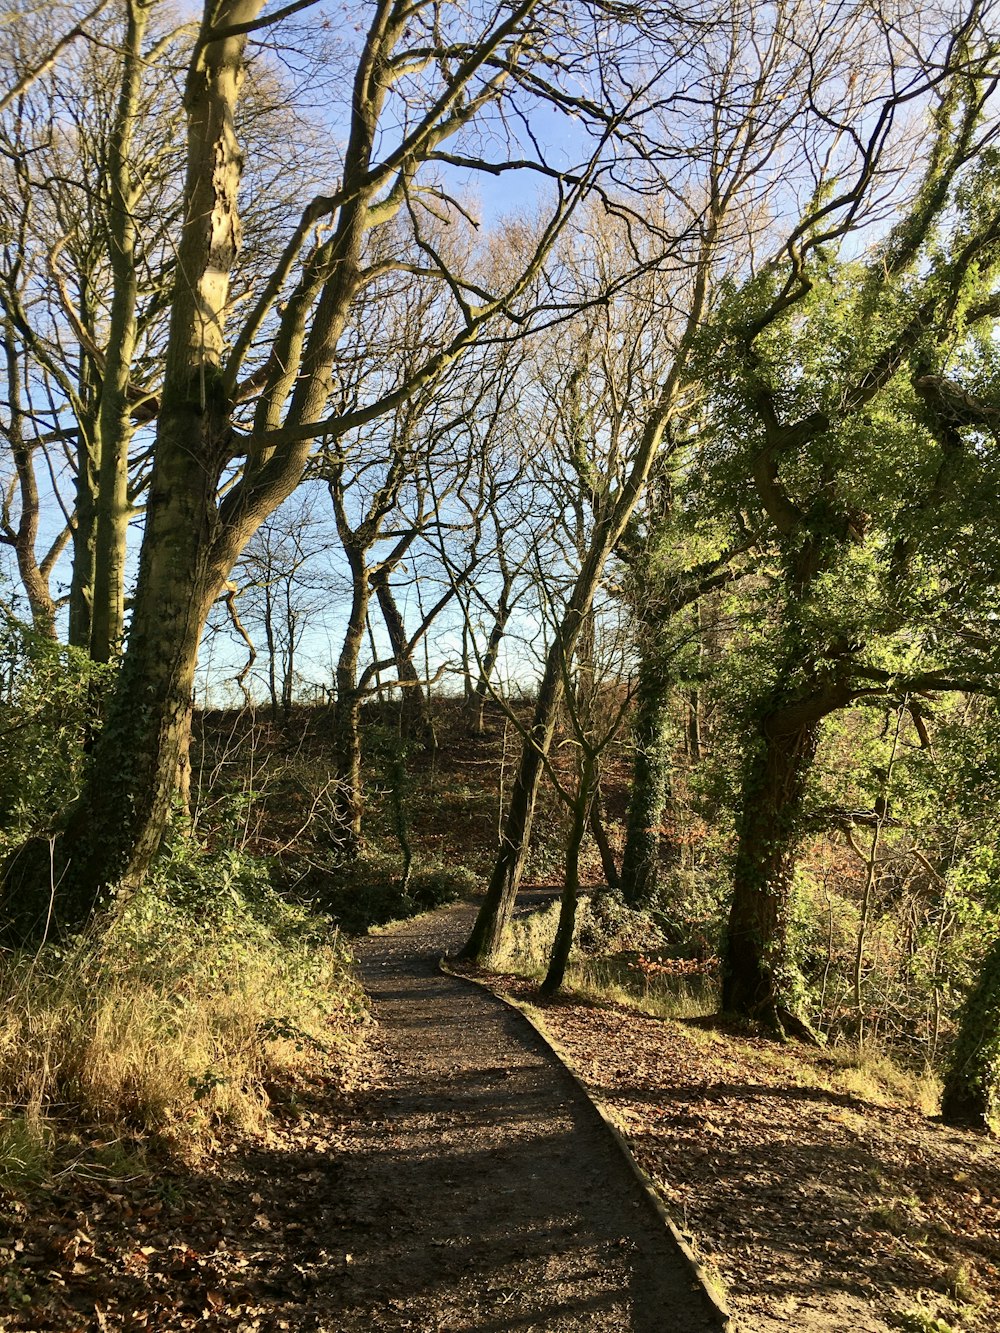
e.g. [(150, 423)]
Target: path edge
[(710, 1286)]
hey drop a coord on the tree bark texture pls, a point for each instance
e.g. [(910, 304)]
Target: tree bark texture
[(650, 785), (972, 1083), (345, 738)]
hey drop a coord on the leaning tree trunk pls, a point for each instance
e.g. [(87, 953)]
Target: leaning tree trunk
[(501, 893), (498, 904), (972, 1083), (770, 828), (563, 944), (480, 693), (606, 852)]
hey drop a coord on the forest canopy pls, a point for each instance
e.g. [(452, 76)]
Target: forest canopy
[(626, 372)]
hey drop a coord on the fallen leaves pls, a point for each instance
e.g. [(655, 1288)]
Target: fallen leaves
[(217, 1248), (808, 1200)]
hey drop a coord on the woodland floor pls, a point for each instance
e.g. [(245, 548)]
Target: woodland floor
[(821, 1210), (467, 1187)]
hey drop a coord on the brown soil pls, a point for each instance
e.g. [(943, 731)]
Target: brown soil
[(468, 1187), (823, 1211)]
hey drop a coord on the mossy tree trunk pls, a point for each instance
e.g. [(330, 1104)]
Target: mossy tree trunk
[(755, 980), (769, 831), (972, 1084), (650, 784)]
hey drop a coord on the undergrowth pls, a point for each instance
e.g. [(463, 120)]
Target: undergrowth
[(172, 1019), (369, 891), (612, 960)]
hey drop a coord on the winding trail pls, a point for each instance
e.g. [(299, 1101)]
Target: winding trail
[(479, 1189)]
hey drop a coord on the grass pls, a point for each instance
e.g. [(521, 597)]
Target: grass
[(616, 981), (869, 1073), (606, 972), (171, 1021), (866, 1072), (932, 1314)]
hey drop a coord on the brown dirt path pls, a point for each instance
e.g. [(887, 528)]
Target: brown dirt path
[(467, 1188), (488, 1196)]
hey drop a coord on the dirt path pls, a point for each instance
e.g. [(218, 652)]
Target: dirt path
[(481, 1194), (466, 1188)]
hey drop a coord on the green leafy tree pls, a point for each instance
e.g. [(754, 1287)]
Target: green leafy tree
[(840, 417)]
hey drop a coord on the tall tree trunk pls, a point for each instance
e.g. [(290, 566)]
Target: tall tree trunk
[(113, 509), (116, 826), (972, 1083), (115, 829), (272, 651), (288, 672), (777, 769), (770, 828), (491, 922), (650, 784), (84, 537), (345, 740)]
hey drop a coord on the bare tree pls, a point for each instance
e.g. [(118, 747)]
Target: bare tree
[(243, 403)]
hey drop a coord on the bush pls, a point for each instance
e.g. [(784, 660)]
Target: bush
[(50, 699), (177, 1016), (365, 893)]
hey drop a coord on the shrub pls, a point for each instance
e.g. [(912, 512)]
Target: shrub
[(50, 699), (177, 1016), (366, 892)]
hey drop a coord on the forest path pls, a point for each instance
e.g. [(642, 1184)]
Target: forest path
[(467, 1187), (477, 1191)]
